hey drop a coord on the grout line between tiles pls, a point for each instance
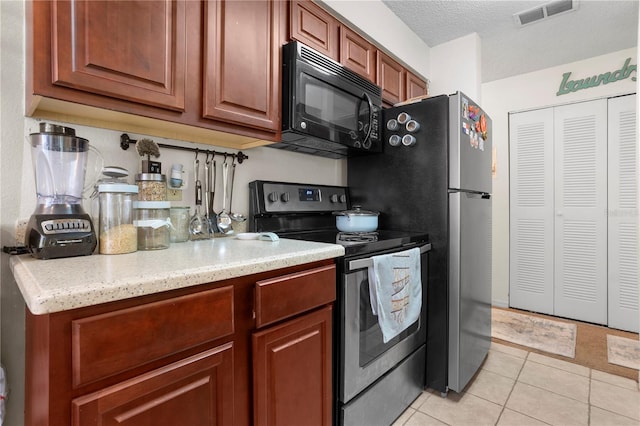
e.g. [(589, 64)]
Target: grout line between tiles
[(504, 406), (562, 369)]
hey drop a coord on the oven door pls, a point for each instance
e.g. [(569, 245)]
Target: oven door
[(364, 357)]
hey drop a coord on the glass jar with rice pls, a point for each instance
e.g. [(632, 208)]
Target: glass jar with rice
[(117, 234)]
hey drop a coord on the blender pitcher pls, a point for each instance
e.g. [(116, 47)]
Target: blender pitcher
[(59, 227)]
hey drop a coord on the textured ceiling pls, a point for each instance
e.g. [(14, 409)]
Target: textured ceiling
[(595, 28)]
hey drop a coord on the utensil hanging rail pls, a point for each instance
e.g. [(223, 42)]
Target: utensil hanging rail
[(125, 141)]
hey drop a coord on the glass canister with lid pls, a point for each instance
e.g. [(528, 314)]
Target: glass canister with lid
[(153, 223), (116, 232), (151, 187)]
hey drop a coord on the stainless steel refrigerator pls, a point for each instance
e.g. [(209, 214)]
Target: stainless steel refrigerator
[(434, 176)]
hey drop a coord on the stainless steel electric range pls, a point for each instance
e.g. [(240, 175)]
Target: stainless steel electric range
[(374, 382)]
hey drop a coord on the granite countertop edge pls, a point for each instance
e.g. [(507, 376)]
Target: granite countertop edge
[(55, 285)]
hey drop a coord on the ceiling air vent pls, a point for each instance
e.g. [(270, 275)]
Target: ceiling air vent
[(545, 11)]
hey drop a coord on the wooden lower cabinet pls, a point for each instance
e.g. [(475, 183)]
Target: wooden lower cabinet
[(184, 357), (292, 372), (193, 391)]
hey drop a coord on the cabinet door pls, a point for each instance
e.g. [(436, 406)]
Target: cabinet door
[(242, 62), (313, 26), (531, 222), (415, 86), (292, 372), (391, 78), (622, 215), (194, 391), (357, 54), (105, 47), (581, 211)]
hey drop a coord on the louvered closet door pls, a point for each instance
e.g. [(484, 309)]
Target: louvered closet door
[(581, 211), (622, 210), (531, 206)]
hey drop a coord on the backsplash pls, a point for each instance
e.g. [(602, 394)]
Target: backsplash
[(263, 163)]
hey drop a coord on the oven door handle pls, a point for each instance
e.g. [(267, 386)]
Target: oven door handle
[(368, 262)]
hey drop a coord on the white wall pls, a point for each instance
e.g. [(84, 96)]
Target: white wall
[(531, 91), (11, 144), (456, 65), (378, 23)]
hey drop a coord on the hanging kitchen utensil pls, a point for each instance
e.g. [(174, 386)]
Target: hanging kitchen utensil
[(205, 210), (224, 220), (196, 228), (213, 217), (236, 217)]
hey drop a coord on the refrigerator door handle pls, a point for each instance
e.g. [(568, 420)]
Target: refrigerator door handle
[(471, 194)]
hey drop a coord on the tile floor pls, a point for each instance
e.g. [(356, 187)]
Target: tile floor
[(520, 388)]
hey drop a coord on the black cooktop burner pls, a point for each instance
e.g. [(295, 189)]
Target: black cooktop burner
[(356, 237)]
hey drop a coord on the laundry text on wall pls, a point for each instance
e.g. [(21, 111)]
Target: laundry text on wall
[(568, 86)]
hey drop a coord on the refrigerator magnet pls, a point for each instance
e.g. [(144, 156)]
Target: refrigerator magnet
[(465, 108), (473, 112), (483, 127)]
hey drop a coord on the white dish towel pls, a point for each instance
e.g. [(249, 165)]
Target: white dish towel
[(395, 290)]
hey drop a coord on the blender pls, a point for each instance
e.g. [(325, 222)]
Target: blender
[(59, 227)]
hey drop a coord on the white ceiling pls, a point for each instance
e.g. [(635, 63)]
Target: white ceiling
[(595, 28)]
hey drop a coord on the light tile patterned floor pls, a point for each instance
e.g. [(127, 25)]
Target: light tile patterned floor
[(520, 388)]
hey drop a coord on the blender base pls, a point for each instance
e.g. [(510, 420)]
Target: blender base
[(52, 236)]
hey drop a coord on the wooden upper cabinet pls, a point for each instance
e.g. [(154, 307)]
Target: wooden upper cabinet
[(415, 86), (391, 78), (242, 42), (314, 27), (105, 47), (357, 54)]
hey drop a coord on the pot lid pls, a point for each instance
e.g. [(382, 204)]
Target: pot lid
[(356, 211)]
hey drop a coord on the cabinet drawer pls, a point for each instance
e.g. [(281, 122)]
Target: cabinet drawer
[(113, 342), (283, 297), (193, 391)]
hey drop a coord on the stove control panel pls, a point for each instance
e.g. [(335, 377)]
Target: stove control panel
[(281, 197)]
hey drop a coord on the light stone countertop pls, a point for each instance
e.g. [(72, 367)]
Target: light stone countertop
[(61, 284)]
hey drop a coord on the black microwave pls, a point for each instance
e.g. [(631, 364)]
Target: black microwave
[(327, 109)]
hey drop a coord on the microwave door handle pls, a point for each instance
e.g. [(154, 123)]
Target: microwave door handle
[(368, 99)]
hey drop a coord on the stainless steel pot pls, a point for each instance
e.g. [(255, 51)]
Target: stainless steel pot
[(356, 220)]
